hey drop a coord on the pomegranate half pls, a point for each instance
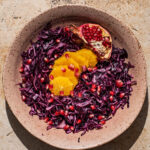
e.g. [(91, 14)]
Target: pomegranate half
[(96, 37)]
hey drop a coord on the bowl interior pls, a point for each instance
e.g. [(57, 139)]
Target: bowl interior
[(122, 37)]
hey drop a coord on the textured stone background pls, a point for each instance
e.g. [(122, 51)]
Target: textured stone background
[(13, 16)]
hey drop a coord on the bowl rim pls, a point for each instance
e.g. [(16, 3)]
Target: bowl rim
[(91, 8)]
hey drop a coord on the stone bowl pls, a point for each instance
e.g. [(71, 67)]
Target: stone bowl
[(122, 37)]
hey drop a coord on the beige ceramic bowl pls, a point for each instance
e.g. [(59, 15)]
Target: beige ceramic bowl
[(122, 37)]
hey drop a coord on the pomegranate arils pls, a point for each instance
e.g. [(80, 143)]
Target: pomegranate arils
[(111, 98), (21, 69), (57, 40), (42, 80), (46, 119), (112, 108), (46, 59), (77, 74), (79, 94), (84, 76), (66, 113), (52, 95), (93, 86), (51, 86), (121, 95), (47, 86), (51, 77), (57, 113), (93, 107), (119, 83), (62, 112), (66, 127), (67, 55), (90, 69), (102, 122), (71, 108), (71, 67), (100, 117), (50, 66), (50, 122), (76, 69), (79, 121), (55, 56), (61, 93), (111, 93), (72, 93), (72, 128), (23, 98), (29, 61), (63, 69), (91, 115), (51, 100), (93, 89)]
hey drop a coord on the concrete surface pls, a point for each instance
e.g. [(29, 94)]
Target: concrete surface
[(15, 13)]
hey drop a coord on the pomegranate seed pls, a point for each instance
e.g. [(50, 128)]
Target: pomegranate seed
[(50, 66), (121, 95), (67, 56), (95, 68), (51, 86), (62, 112), (90, 69), (84, 68), (100, 117), (55, 56), (23, 98), (52, 95), (66, 127), (99, 88), (71, 67), (57, 40), (87, 83), (63, 69), (51, 77), (79, 121), (51, 100), (93, 90), (46, 119), (79, 94), (61, 93), (92, 107), (93, 86), (50, 122), (46, 60), (111, 93), (42, 80), (71, 108), (104, 43), (102, 122), (91, 115), (21, 70), (77, 74), (112, 108), (72, 93), (84, 76), (72, 128), (119, 83), (66, 113), (29, 61), (57, 113), (111, 98), (76, 69), (47, 86), (66, 29)]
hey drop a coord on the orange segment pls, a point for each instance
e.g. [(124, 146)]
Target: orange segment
[(61, 84), (78, 58), (89, 56), (65, 72), (66, 61)]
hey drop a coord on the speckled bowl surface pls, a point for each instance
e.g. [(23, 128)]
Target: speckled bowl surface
[(122, 37)]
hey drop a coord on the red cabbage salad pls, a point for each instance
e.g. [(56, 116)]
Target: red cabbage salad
[(100, 90)]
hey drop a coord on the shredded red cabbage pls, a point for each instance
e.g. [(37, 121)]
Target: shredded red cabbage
[(52, 43)]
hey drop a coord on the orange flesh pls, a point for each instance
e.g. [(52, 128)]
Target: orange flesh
[(65, 79)]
